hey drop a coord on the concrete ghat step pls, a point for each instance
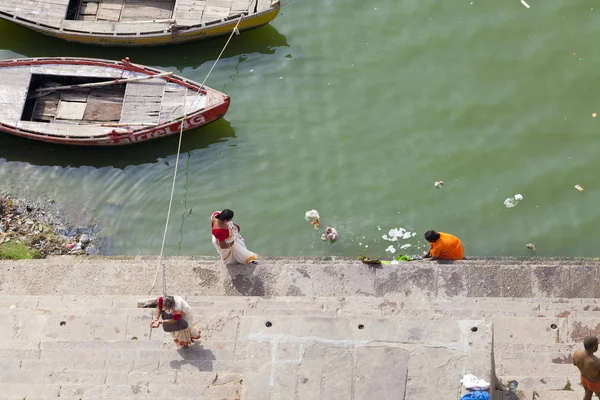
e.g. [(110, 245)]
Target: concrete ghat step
[(329, 277), (150, 391), (541, 382), (576, 394)]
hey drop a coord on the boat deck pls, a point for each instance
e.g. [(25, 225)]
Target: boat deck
[(91, 111), (129, 16)]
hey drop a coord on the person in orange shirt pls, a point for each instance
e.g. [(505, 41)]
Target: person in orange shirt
[(444, 246)]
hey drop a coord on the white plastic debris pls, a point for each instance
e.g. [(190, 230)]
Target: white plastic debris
[(391, 249), (405, 246), (310, 215), (395, 262), (471, 382), (510, 202), (513, 201), (525, 3), (439, 184), (530, 246)]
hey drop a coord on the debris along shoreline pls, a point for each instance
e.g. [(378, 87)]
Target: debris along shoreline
[(36, 229)]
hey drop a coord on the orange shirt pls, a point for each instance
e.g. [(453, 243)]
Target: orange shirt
[(447, 247)]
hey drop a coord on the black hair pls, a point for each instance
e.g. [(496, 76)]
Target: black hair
[(590, 342), (225, 215), (432, 236), (169, 302)]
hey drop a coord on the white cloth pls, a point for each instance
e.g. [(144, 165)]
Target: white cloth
[(237, 253), (182, 305), (471, 382)]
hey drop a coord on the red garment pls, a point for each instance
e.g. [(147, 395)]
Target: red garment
[(176, 317), (220, 233), (160, 302)]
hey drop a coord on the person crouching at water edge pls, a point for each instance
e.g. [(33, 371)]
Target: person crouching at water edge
[(444, 246), (175, 315), (228, 241)]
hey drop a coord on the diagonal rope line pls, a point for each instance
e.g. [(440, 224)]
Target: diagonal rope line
[(185, 111)]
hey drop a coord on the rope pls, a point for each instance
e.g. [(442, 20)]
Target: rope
[(162, 247)]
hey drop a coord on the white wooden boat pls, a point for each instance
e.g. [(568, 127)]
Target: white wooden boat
[(94, 102), (137, 22)]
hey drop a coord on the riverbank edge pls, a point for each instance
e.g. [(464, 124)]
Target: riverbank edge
[(513, 277)]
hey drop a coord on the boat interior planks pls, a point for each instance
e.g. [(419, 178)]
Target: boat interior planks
[(97, 102), (137, 22)]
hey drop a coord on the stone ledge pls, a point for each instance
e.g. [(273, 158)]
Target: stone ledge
[(306, 276)]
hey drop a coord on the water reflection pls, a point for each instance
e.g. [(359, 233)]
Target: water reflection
[(14, 148), (27, 43)]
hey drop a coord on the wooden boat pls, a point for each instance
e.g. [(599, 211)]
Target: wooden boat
[(137, 22), (100, 103)]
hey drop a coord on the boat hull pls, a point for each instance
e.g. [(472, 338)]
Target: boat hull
[(116, 136), (195, 120), (155, 39)]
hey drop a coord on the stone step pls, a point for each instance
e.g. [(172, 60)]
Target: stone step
[(538, 381), (230, 391), (292, 356), (327, 277), (576, 394)]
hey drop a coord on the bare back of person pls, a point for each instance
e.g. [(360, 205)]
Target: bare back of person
[(588, 364)]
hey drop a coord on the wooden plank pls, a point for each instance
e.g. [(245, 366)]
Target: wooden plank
[(263, 5), (220, 3), (111, 27), (102, 111), (64, 129), (154, 87), (108, 15), (45, 107), (239, 5), (214, 13), (77, 95), (70, 110), (10, 113), (76, 70), (86, 17), (90, 8)]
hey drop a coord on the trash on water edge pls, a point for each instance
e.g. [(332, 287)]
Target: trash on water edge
[(510, 202), (525, 3), (530, 246), (439, 184), (579, 188), (513, 201), (391, 249)]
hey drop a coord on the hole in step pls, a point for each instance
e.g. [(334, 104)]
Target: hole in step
[(361, 326), (62, 323), (553, 326), (474, 329), (268, 324), (134, 338)]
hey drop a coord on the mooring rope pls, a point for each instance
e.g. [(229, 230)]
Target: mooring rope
[(185, 113)]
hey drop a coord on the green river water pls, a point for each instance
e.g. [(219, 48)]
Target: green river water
[(355, 109)]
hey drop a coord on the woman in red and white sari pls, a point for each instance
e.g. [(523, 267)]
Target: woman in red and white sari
[(227, 240), (178, 308)]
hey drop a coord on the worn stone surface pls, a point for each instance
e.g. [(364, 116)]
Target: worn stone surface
[(306, 276), (71, 327)]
